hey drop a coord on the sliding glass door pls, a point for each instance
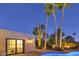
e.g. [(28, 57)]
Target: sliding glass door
[(14, 46), (11, 45), (19, 46)]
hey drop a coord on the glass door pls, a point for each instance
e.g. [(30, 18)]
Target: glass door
[(14, 46), (19, 46), (11, 46)]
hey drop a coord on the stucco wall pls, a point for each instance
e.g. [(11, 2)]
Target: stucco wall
[(11, 34), (2, 43)]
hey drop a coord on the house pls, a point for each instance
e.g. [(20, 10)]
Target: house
[(14, 42), (70, 45)]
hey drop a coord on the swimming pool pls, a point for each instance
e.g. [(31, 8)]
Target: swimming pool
[(75, 53)]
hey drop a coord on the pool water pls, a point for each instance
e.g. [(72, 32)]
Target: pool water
[(75, 53)]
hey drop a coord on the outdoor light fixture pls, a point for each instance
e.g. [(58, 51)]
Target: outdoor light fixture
[(67, 46), (29, 41)]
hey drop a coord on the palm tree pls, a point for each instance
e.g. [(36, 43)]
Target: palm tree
[(47, 11), (74, 34), (38, 32), (62, 6), (35, 32), (41, 28), (50, 9)]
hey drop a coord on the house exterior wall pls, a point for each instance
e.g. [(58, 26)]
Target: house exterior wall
[(29, 46), (2, 44)]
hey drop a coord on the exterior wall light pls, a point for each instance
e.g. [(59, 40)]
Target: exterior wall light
[(29, 41)]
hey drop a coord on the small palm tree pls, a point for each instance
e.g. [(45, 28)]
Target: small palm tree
[(38, 32)]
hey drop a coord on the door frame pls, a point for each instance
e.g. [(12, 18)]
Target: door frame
[(15, 45)]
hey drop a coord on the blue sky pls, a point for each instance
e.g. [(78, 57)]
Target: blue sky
[(24, 17)]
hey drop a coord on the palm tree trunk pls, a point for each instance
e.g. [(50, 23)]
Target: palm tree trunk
[(39, 37), (46, 24), (38, 41), (55, 26), (55, 29), (61, 21)]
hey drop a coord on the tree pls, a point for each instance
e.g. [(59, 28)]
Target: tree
[(58, 36), (51, 40), (62, 6), (50, 9), (35, 31), (38, 32), (74, 34), (69, 39), (47, 11)]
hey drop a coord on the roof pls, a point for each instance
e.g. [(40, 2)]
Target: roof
[(23, 34)]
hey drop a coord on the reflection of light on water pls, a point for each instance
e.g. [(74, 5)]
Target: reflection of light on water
[(76, 53)]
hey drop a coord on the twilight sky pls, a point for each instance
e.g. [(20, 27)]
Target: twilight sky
[(24, 17)]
